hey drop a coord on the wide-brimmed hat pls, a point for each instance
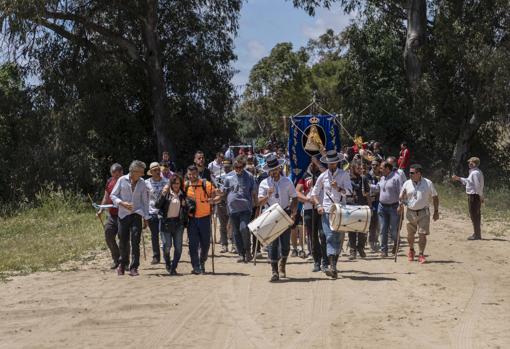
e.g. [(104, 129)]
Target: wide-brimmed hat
[(272, 163), (151, 167), (332, 157)]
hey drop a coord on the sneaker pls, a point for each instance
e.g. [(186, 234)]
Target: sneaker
[(410, 255), (195, 271), (474, 237), (352, 255), (240, 259), (316, 268), (133, 272), (155, 260), (294, 253), (120, 270), (275, 277), (233, 250), (168, 269), (224, 249), (421, 259), (202, 268)]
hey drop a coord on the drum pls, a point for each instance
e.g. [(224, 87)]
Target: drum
[(270, 224), (350, 218)]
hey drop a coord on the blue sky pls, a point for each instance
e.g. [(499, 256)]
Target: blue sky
[(264, 23)]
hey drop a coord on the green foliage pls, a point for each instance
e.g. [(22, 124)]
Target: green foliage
[(59, 229)]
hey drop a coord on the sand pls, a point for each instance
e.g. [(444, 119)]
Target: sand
[(459, 299)]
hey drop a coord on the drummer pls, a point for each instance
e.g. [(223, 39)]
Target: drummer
[(335, 184), (277, 189)]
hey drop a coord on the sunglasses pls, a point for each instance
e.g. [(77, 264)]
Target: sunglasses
[(412, 173)]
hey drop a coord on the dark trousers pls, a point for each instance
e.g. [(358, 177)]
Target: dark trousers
[(357, 240), (280, 247), (374, 222), (130, 230), (474, 204), (111, 229), (154, 228), (316, 236), (199, 234)]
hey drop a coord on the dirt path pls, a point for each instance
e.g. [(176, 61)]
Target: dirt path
[(459, 299)]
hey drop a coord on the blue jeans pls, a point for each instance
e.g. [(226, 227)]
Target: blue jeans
[(199, 234), (154, 228), (239, 221), (279, 247), (171, 232), (388, 218), (334, 239)]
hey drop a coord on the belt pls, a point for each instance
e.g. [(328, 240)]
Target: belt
[(418, 211), (389, 205)]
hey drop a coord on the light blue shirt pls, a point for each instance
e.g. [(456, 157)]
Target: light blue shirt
[(389, 188), (139, 197), (239, 191)]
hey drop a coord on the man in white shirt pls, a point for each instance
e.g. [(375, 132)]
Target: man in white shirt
[(416, 194), (131, 196), (335, 184), (474, 189), (272, 190), (155, 184), (216, 167)]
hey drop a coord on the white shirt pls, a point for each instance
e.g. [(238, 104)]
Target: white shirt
[(138, 197), (418, 195), (474, 182), (402, 175), (216, 169), (343, 180), (283, 192)]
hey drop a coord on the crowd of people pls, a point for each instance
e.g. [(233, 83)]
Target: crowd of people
[(240, 184)]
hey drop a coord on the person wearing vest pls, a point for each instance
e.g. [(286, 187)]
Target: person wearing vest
[(280, 190), (331, 188), (111, 228), (200, 196)]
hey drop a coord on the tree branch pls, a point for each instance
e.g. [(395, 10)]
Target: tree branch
[(108, 34)]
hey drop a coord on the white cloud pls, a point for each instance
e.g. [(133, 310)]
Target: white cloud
[(325, 19)]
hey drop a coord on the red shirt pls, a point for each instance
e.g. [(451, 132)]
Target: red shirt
[(110, 184), (403, 160)]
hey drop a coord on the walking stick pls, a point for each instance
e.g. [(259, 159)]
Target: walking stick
[(257, 213), (401, 219), (212, 237), (303, 235), (98, 216)]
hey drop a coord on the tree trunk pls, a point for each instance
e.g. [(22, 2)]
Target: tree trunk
[(416, 29), (461, 148), (156, 79)]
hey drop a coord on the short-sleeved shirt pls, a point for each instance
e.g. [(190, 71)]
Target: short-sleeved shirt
[(239, 191), (418, 195), (307, 181), (155, 188), (389, 188), (110, 184), (197, 193), (283, 192)]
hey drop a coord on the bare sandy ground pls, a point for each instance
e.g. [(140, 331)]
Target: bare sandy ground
[(459, 299)]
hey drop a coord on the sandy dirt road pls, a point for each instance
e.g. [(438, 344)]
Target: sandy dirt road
[(459, 299)]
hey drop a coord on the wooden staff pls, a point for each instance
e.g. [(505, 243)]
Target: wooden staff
[(97, 215), (401, 219), (213, 234)]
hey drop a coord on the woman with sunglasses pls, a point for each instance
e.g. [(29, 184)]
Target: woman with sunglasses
[(174, 213)]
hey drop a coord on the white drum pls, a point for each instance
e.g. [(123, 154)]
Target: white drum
[(270, 224), (349, 218)]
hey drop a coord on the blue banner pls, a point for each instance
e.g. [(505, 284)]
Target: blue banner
[(308, 134)]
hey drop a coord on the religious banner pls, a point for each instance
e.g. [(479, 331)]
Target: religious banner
[(308, 135)]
